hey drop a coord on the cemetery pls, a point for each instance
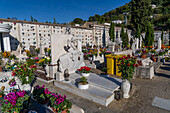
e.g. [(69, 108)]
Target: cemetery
[(99, 74), (68, 66)]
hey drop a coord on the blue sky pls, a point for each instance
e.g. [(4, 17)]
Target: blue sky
[(62, 10)]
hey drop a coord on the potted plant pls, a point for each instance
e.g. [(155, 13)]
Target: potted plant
[(15, 102), (127, 68), (83, 84), (144, 53), (85, 71), (60, 104), (24, 75), (41, 95)]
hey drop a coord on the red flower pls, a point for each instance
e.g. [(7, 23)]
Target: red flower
[(13, 74), (134, 65), (123, 63), (137, 65), (128, 64), (128, 56), (20, 72)]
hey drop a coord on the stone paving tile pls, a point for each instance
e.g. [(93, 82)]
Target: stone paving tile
[(141, 101)]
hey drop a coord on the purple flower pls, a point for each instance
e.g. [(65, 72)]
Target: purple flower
[(6, 102), (43, 86)]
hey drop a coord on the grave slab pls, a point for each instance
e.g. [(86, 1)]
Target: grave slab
[(101, 89)]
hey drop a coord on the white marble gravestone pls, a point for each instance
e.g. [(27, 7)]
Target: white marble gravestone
[(159, 43), (64, 55)]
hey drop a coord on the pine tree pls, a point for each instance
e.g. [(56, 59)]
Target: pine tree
[(54, 22), (141, 11), (112, 32)]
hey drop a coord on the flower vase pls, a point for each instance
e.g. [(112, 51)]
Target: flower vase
[(26, 87), (94, 57), (47, 70), (19, 83), (125, 87), (85, 74)]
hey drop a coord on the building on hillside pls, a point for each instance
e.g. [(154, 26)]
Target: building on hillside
[(118, 21), (26, 33)]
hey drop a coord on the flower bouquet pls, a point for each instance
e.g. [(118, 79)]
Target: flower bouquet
[(85, 71), (12, 82), (127, 68), (15, 102), (24, 72)]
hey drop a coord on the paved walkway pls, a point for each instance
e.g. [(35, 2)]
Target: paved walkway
[(141, 101), (159, 86)]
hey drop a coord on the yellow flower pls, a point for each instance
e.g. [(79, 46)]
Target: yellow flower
[(41, 61)]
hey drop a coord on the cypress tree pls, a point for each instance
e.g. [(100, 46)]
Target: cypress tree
[(149, 36), (54, 22), (162, 35), (126, 38), (123, 37), (141, 11), (112, 32)]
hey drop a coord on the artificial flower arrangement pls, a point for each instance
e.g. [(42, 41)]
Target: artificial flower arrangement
[(15, 102), (24, 72), (41, 94), (12, 82), (59, 103), (102, 51), (43, 61), (84, 69), (5, 54), (127, 66), (161, 52)]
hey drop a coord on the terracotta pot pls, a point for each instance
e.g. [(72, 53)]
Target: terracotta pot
[(154, 59), (1, 69), (65, 111), (143, 56)]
